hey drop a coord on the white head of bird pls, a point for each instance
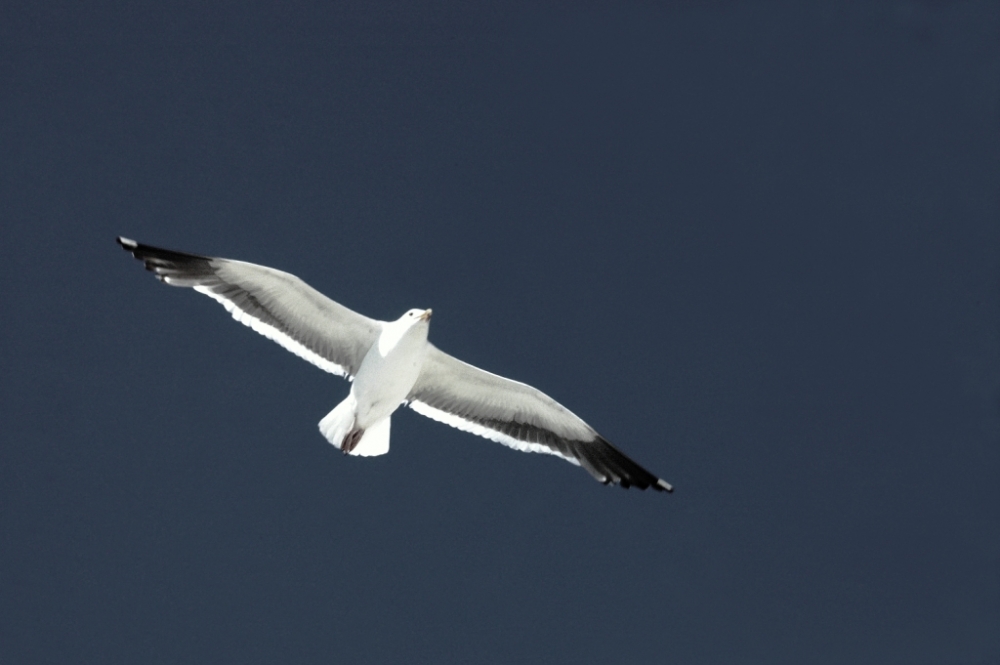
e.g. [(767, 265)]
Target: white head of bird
[(412, 327)]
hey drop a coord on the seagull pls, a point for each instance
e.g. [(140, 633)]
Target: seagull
[(391, 364)]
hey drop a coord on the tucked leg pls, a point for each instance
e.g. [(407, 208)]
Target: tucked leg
[(351, 440)]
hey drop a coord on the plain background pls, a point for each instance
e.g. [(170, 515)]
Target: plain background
[(754, 244)]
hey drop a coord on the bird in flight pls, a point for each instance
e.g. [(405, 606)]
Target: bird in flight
[(391, 364)]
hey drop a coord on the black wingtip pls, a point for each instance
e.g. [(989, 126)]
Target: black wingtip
[(170, 267), (611, 466)]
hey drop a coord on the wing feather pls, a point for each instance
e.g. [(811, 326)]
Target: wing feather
[(276, 304), (517, 415)]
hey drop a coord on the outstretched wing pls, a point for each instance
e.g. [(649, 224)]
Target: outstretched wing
[(517, 415), (276, 304)]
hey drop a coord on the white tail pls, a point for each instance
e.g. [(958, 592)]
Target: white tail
[(340, 422), (375, 440)]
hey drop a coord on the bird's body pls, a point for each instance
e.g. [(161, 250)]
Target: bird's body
[(391, 367), (391, 363), (360, 424)]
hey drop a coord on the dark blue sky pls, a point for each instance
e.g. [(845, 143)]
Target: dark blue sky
[(758, 248)]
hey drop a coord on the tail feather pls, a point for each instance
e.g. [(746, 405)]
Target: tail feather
[(375, 440), (338, 423), (339, 428)]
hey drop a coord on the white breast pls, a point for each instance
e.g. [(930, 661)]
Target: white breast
[(389, 371)]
